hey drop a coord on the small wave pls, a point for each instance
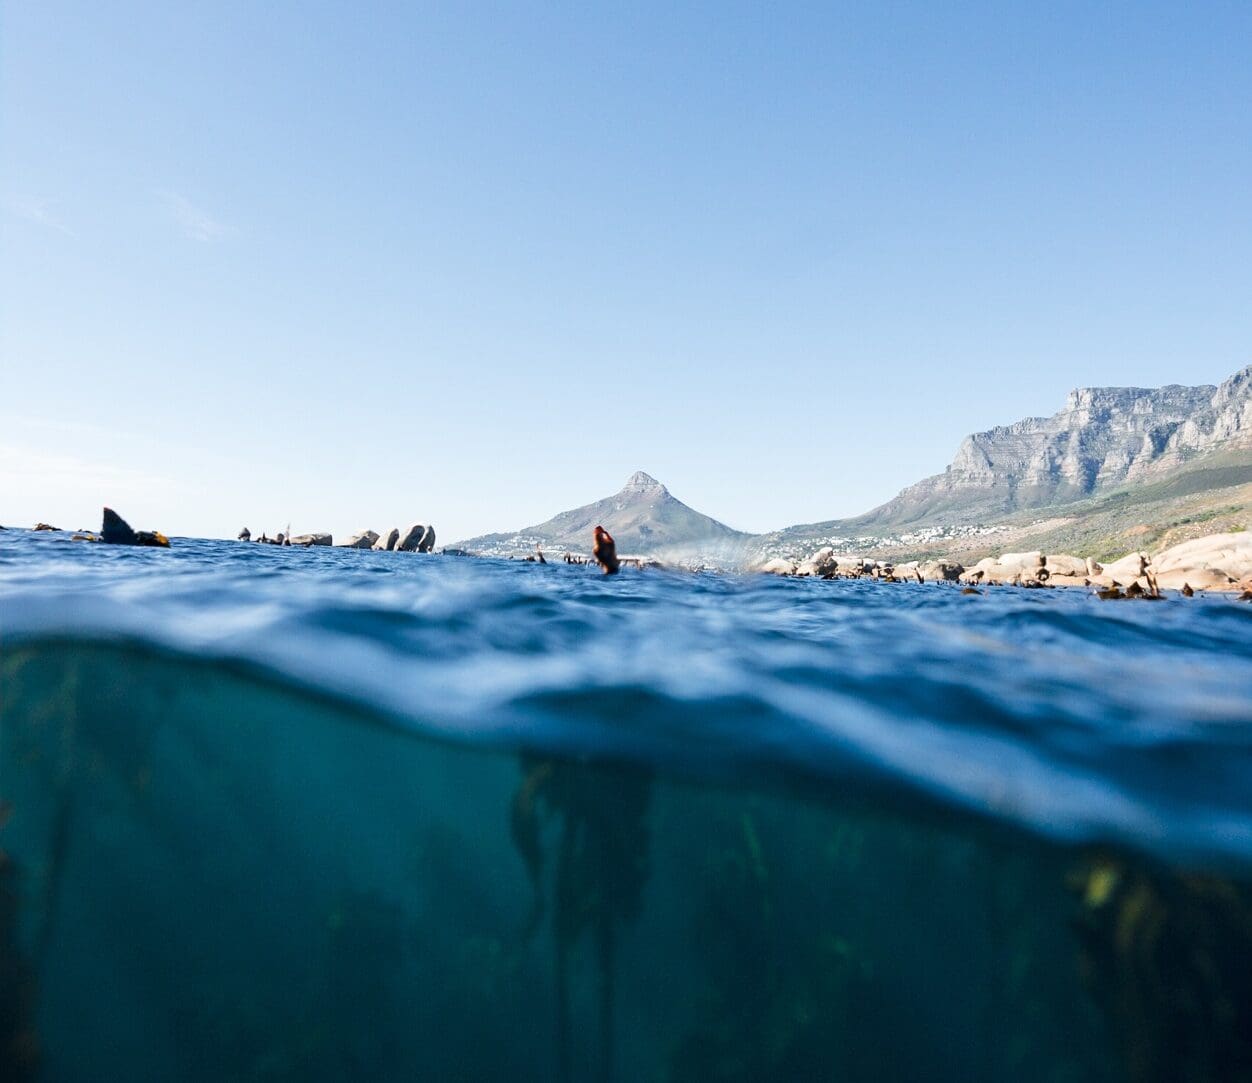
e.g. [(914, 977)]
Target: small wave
[(1073, 717)]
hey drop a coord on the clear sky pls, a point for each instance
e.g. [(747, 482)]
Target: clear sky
[(348, 265)]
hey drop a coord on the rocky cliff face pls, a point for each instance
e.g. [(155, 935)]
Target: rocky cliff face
[(1104, 437), (643, 517)]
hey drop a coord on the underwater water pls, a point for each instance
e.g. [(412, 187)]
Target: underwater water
[(285, 814)]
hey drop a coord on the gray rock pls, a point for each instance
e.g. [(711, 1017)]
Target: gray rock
[(363, 539), (411, 538), (311, 539), (388, 543), (428, 541)]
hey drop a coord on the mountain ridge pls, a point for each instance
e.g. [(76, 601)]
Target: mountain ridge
[(1102, 439), (643, 516), (1173, 444)]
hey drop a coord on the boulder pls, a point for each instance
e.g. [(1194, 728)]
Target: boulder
[(821, 564), (1127, 569), (363, 539), (1011, 569), (1063, 565), (428, 541), (1230, 553), (45, 526), (853, 565), (779, 566), (1026, 563), (1007, 576), (410, 538), (388, 543), (309, 539), (979, 572), (245, 534), (1195, 578), (1068, 580), (933, 570)]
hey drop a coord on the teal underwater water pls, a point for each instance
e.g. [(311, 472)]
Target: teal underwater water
[(276, 814)]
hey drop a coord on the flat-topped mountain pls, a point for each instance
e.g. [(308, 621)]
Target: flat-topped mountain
[(643, 517), (1104, 439), (1114, 466)]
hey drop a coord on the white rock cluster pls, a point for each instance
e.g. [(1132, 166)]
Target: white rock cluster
[(826, 564), (1217, 562)]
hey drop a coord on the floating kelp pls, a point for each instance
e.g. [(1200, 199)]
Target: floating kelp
[(601, 869)]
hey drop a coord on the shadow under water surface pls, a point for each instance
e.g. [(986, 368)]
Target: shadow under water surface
[(208, 876)]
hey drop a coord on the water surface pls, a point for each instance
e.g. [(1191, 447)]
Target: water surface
[(283, 813)]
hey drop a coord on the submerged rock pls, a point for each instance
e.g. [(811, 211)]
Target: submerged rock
[(45, 526)]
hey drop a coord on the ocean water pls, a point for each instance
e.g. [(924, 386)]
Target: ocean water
[(285, 814)]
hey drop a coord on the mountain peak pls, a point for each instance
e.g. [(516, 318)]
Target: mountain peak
[(639, 482), (643, 517)]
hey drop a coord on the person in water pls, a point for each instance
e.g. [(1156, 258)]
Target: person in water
[(605, 551)]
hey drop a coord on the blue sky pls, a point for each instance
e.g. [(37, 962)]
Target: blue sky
[(357, 265)]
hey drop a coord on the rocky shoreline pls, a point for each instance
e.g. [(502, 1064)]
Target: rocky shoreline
[(1217, 562), (1213, 563), (417, 538)]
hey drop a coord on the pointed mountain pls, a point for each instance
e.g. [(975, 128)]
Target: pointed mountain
[(643, 517)]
